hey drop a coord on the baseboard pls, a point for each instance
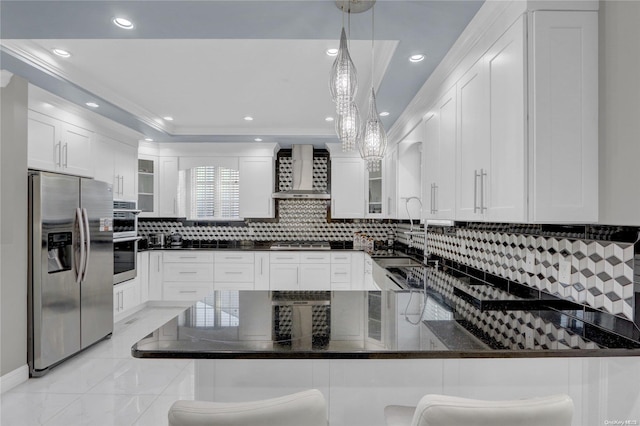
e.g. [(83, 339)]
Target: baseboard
[(14, 378)]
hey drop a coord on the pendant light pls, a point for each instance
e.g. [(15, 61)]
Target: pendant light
[(373, 140), (348, 127), (343, 80)]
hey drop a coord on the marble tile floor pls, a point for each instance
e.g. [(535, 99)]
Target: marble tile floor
[(105, 385)]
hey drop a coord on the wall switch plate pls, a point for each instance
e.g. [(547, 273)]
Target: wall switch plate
[(564, 270), (530, 263)]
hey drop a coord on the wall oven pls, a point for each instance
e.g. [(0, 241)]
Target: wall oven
[(125, 240)]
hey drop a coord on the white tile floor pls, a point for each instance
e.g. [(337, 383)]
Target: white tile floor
[(105, 385)]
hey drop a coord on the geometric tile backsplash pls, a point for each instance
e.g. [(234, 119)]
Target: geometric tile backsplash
[(301, 220), (601, 272)]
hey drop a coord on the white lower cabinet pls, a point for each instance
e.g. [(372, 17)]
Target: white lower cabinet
[(155, 275), (315, 276), (261, 271), (284, 276), (234, 271), (143, 275), (187, 275), (126, 298)]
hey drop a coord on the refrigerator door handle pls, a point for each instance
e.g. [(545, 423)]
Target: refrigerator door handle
[(80, 264), (85, 216)]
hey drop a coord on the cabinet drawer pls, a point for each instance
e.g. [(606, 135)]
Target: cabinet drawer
[(285, 257), (315, 257), (188, 272), (341, 273), (188, 256), (235, 273), (340, 257), (233, 257), (186, 291)]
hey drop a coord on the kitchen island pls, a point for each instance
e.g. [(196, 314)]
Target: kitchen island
[(368, 349)]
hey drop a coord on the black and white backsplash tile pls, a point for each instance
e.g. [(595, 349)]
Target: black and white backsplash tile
[(300, 220), (518, 329), (601, 275), (320, 173)]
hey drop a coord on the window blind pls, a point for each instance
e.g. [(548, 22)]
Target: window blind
[(215, 192)]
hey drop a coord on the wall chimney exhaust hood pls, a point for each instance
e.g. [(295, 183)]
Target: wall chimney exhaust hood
[(302, 176)]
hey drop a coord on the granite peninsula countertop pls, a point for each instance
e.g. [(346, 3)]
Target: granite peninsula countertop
[(447, 316)]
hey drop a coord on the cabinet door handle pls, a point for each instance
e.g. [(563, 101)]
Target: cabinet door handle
[(436, 206), (483, 174), (65, 151), (315, 258), (188, 291), (57, 156), (341, 257), (187, 272), (432, 200), (122, 185), (340, 273), (261, 262), (475, 190), (232, 272), (233, 257), (188, 257)]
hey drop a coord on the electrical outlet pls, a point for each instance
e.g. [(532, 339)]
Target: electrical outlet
[(530, 263), (564, 272)]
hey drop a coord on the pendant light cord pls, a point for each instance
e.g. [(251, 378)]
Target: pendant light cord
[(373, 9)]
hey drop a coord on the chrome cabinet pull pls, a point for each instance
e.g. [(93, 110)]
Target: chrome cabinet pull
[(483, 174), (187, 272), (232, 272), (435, 199), (476, 175), (65, 150), (188, 291)]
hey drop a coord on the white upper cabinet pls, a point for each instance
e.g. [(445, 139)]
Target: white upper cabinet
[(505, 180), (58, 146), (472, 143), (348, 188), (439, 158), (563, 108), (391, 183), (168, 191), (527, 124), (116, 163), (256, 187)]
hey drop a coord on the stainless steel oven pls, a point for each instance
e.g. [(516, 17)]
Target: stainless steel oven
[(125, 240)]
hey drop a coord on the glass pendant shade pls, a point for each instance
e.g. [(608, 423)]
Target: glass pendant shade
[(373, 141), (343, 81), (348, 127)]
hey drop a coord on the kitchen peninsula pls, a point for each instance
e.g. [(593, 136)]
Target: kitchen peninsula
[(432, 314), (377, 348)]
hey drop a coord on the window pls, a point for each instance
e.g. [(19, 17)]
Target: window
[(213, 193)]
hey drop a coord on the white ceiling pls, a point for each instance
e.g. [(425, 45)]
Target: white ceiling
[(208, 64), (209, 86)]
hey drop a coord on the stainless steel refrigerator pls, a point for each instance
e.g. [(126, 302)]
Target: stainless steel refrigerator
[(70, 293)]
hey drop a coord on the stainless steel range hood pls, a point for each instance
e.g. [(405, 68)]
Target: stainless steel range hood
[(302, 179)]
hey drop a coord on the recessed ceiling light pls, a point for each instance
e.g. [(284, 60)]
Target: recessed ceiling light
[(92, 104), (258, 139), (61, 52), (332, 52), (148, 139), (168, 118), (123, 23), (416, 58), (384, 113), (248, 118), (328, 119)]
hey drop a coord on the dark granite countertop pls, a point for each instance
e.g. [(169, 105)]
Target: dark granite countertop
[(448, 317)]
